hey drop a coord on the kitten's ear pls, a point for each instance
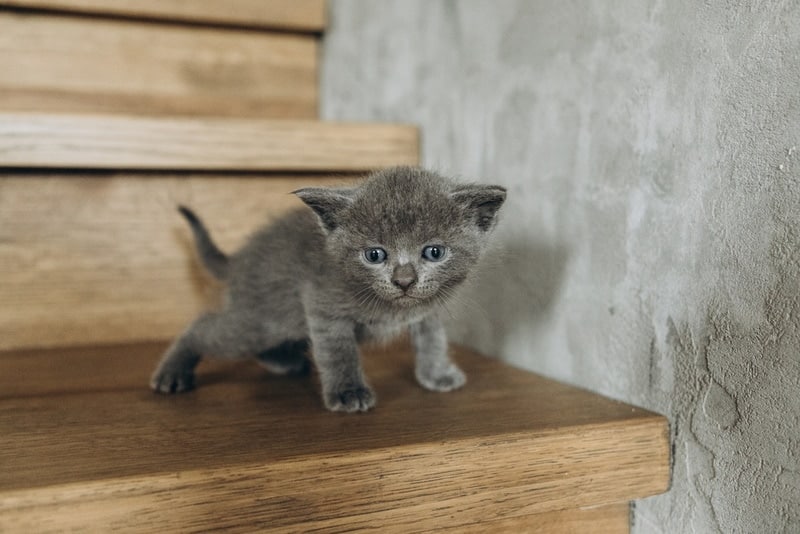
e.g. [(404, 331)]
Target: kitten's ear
[(327, 203), (480, 203)]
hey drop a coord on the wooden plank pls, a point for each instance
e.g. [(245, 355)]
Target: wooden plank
[(73, 64), (250, 451), (295, 15), (98, 258), (106, 141), (609, 519)]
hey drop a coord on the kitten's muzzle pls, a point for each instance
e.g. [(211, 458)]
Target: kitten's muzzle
[(404, 276)]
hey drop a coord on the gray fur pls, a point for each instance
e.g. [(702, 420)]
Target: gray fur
[(305, 278)]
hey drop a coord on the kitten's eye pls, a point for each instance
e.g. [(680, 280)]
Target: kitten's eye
[(434, 252), (375, 255)]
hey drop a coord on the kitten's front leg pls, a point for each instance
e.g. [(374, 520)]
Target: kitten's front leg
[(335, 352), (434, 368)]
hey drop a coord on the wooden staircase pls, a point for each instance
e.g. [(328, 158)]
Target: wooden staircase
[(111, 113)]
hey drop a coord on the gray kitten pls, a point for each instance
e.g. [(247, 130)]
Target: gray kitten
[(363, 264)]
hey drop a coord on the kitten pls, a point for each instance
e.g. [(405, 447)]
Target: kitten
[(363, 263)]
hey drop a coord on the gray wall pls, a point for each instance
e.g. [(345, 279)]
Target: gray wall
[(650, 247)]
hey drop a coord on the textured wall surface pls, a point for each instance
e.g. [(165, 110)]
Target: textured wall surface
[(650, 247)]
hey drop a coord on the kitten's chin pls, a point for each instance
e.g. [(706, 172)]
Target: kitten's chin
[(404, 301), (408, 301)]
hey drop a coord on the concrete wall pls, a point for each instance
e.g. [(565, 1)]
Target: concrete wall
[(650, 247)]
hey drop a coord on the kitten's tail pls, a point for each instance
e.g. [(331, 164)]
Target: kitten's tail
[(212, 257)]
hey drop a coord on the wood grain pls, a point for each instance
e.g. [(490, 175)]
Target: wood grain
[(98, 257), (250, 451), (73, 64), (295, 15), (107, 141)]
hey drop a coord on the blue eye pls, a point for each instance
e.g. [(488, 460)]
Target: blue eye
[(375, 255), (434, 252)]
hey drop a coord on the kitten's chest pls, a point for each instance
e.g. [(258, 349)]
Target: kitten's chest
[(387, 327)]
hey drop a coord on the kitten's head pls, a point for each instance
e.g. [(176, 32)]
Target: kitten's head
[(405, 236)]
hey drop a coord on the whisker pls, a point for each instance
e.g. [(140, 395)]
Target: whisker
[(460, 299)]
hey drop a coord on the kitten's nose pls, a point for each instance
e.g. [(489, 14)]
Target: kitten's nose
[(404, 276)]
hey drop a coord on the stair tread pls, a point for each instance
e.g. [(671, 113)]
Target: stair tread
[(81, 421), (36, 140)]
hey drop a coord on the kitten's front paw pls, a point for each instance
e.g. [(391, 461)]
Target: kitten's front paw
[(446, 378), (172, 381), (357, 399)]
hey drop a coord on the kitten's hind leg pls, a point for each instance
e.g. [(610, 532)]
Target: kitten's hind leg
[(220, 334), (288, 358), (175, 371)]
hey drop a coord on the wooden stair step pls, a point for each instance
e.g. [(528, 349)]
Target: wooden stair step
[(83, 251), (294, 15), (69, 64), (87, 445), (128, 142)]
